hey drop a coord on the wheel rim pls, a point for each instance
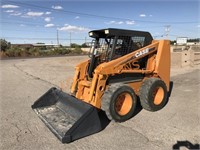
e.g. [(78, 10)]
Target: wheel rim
[(123, 103), (158, 95)]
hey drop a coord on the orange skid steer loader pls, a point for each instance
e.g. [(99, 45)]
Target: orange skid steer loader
[(125, 67)]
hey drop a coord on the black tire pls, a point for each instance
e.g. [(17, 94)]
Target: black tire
[(153, 94), (119, 102)]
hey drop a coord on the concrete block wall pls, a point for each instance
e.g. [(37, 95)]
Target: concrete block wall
[(185, 57)]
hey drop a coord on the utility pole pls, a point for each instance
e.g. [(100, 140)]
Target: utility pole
[(167, 30), (57, 38), (70, 39)]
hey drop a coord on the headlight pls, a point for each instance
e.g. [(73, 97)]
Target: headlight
[(106, 31), (91, 34)]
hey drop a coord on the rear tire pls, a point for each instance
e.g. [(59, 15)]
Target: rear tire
[(119, 102), (153, 94)]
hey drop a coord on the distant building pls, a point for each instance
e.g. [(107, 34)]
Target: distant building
[(193, 43), (181, 40), (185, 41), (46, 45), (24, 46), (37, 45)]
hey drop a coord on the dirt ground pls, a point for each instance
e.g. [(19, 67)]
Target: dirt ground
[(23, 81)]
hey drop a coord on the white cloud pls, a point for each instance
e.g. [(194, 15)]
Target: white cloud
[(130, 22), (22, 25), (57, 7), (9, 6), (111, 22), (71, 28), (47, 19), (49, 25), (198, 26), (16, 14), (25, 16), (120, 22), (77, 17), (13, 12), (142, 15), (115, 22), (150, 15), (34, 14), (9, 11), (48, 13)]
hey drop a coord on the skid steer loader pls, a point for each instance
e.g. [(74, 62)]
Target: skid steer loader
[(124, 67)]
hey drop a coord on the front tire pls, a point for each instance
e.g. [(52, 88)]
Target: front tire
[(153, 94), (119, 102)]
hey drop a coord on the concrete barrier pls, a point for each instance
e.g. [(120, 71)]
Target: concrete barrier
[(182, 56)]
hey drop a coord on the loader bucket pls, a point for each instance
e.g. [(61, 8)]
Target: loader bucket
[(66, 116)]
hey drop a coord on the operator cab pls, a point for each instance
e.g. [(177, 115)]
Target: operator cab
[(109, 44)]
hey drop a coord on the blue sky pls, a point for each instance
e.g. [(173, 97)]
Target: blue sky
[(26, 21)]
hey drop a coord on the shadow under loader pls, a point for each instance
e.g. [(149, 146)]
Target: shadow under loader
[(67, 117)]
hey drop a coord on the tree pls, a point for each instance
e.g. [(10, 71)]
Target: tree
[(194, 40), (74, 45), (172, 42), (4, 45), (84, 45)]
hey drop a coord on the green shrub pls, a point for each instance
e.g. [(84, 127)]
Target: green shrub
[(13, 52), (34, 52), (59, 51), (4, 45), (77, 51), (26, 52)]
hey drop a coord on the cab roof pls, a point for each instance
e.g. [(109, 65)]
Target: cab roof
[(110, 32)]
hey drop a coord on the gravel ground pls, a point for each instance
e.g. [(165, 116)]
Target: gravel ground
[(24, 80)]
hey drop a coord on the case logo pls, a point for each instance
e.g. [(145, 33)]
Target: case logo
[(142, 52)]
